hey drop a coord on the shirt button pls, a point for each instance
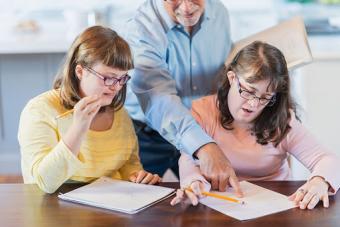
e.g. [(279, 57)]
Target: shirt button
[(194, 88), (193, 63)]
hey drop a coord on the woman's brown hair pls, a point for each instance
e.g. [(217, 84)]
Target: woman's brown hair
[(96, 44), (264, 62)]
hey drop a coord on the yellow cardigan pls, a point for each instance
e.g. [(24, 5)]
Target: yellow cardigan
[(47, 161)]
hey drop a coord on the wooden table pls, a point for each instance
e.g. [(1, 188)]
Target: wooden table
[(26, 205)]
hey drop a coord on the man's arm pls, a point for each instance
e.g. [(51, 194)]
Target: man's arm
[(156, 91), (163, 108)]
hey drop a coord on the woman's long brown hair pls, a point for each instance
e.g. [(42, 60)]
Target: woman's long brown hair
[(96, 44), (265, 62)]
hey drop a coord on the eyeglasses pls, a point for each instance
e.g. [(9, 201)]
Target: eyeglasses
[(110, 81), (251, 96)]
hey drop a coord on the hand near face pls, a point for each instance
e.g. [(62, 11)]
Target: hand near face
[(143, 177), (189, 196), (83, 114), (85, 110), (217, 169), (309, 194)]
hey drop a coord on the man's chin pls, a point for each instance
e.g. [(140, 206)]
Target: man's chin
[(188, 21)]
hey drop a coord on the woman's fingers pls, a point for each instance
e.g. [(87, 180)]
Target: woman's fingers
[(140, 176), (309, 195), (299, 195), (192, 197), (88, 106), (133, 178), (155, 179), (178, 198), (306, 199), (94, 111), (148, 177), (292, 196), (87, 100), (313, 201), (312, 198), (325, 200), (197, 188), (91, 107), (144, 177)]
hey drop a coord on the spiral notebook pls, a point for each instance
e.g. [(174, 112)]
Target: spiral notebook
[(118, 195)]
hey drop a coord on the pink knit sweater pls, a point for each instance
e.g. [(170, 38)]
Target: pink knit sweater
[(253, 161)]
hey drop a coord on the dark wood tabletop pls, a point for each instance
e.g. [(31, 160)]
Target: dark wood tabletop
[(26, 205)]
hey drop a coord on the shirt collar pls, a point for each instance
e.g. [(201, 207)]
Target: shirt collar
[(164, 16), (208, 11)]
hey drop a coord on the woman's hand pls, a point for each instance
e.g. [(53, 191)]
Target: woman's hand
[(143, 177), (309, 194), (191, 195), (84, 112)]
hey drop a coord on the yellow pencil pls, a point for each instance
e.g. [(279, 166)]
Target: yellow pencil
[(220, 197), (223, 197), (64, 114)]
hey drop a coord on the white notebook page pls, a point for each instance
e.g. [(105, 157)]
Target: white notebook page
[(259, 202), (118, 195)]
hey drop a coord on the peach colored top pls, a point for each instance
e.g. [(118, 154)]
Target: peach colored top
[(260, 162)]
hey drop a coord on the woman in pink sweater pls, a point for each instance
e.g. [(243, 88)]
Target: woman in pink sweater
[(252, 118)]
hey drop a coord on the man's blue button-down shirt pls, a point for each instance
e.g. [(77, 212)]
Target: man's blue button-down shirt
[(173, 67)]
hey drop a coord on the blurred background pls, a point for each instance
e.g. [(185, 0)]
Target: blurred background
[(35, 35)]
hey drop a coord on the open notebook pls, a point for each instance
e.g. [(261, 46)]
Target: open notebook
[(118, 195)]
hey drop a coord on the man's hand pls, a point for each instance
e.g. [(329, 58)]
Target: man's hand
[(217, 169)]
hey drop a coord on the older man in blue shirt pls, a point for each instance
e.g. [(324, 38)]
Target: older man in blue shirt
[(178, 46)]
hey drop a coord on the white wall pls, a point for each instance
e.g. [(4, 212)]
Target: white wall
[(318, 85)]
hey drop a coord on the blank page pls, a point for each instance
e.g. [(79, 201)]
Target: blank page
[(259, 202), (118, 195)]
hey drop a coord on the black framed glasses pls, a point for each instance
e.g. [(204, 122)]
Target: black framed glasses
[(251, 96), (110, 81)]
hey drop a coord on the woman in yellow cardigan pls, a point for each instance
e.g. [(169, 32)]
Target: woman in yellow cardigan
[(79, 131)]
